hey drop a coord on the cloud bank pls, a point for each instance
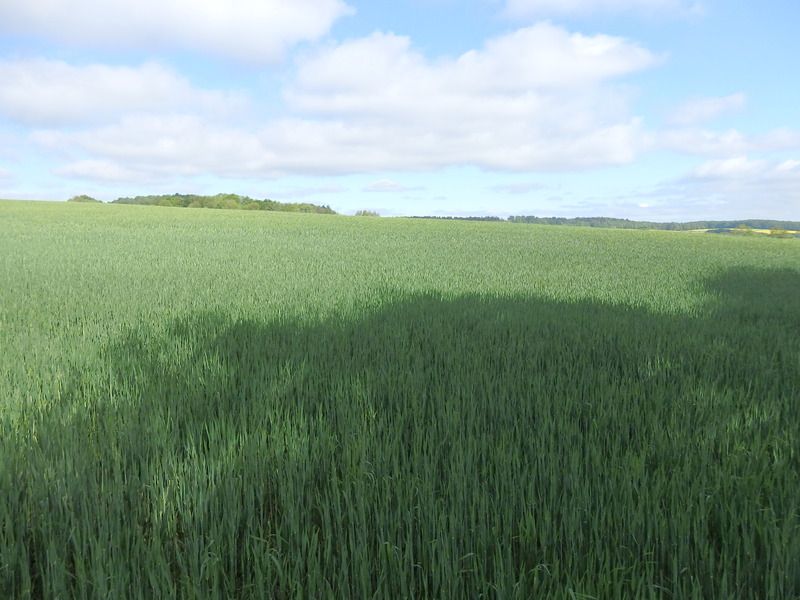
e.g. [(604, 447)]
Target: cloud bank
[(539, 98), (248, 30), (49, 93)]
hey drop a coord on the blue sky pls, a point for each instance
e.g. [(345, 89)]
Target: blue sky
[(644, 109)]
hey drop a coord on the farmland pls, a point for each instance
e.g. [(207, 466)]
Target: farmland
[(245, 404)]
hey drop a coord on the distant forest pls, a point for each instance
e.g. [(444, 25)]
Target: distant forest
[(628, 224), (460, 218), (225, 201), (741, 226)]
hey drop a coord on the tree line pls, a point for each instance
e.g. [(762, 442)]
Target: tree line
[(745, 227), (741, 226), (613, 223), (225, 201), (460, 218), (222, 201)]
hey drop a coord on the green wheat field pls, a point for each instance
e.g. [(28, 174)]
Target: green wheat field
[(239, 404)]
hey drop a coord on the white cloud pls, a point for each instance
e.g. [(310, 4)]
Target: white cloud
[(250, 30), (586, 7), (742, 168), (702, 110), (726, 144), (739, 188), (5, 173), (103, 170), (729, 169), (538, 98), (387, 185), (163, 144), (383, 73), (50, 92), (732, 188), (788, 166)]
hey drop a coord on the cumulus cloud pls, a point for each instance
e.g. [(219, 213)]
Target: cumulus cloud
[(743, 168), (536, 98), (50, 93), (177, 144), (381, 71), (732, 188), (539, 98), (730, 143), (250, 30), (702, 110), (587, 7), (105, 171), (741, 187)]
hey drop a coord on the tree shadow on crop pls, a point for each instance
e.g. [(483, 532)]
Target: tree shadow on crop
[(591, 437), (208, 366)]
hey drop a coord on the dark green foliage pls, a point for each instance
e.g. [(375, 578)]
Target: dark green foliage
[(628, 224), (779, 232), (224, 201), (83, 198), (463, 218)]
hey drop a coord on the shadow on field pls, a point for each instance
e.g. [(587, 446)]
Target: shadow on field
[(453, 446), (423, 348)]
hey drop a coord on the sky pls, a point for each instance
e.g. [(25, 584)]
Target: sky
[(658, 110)]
